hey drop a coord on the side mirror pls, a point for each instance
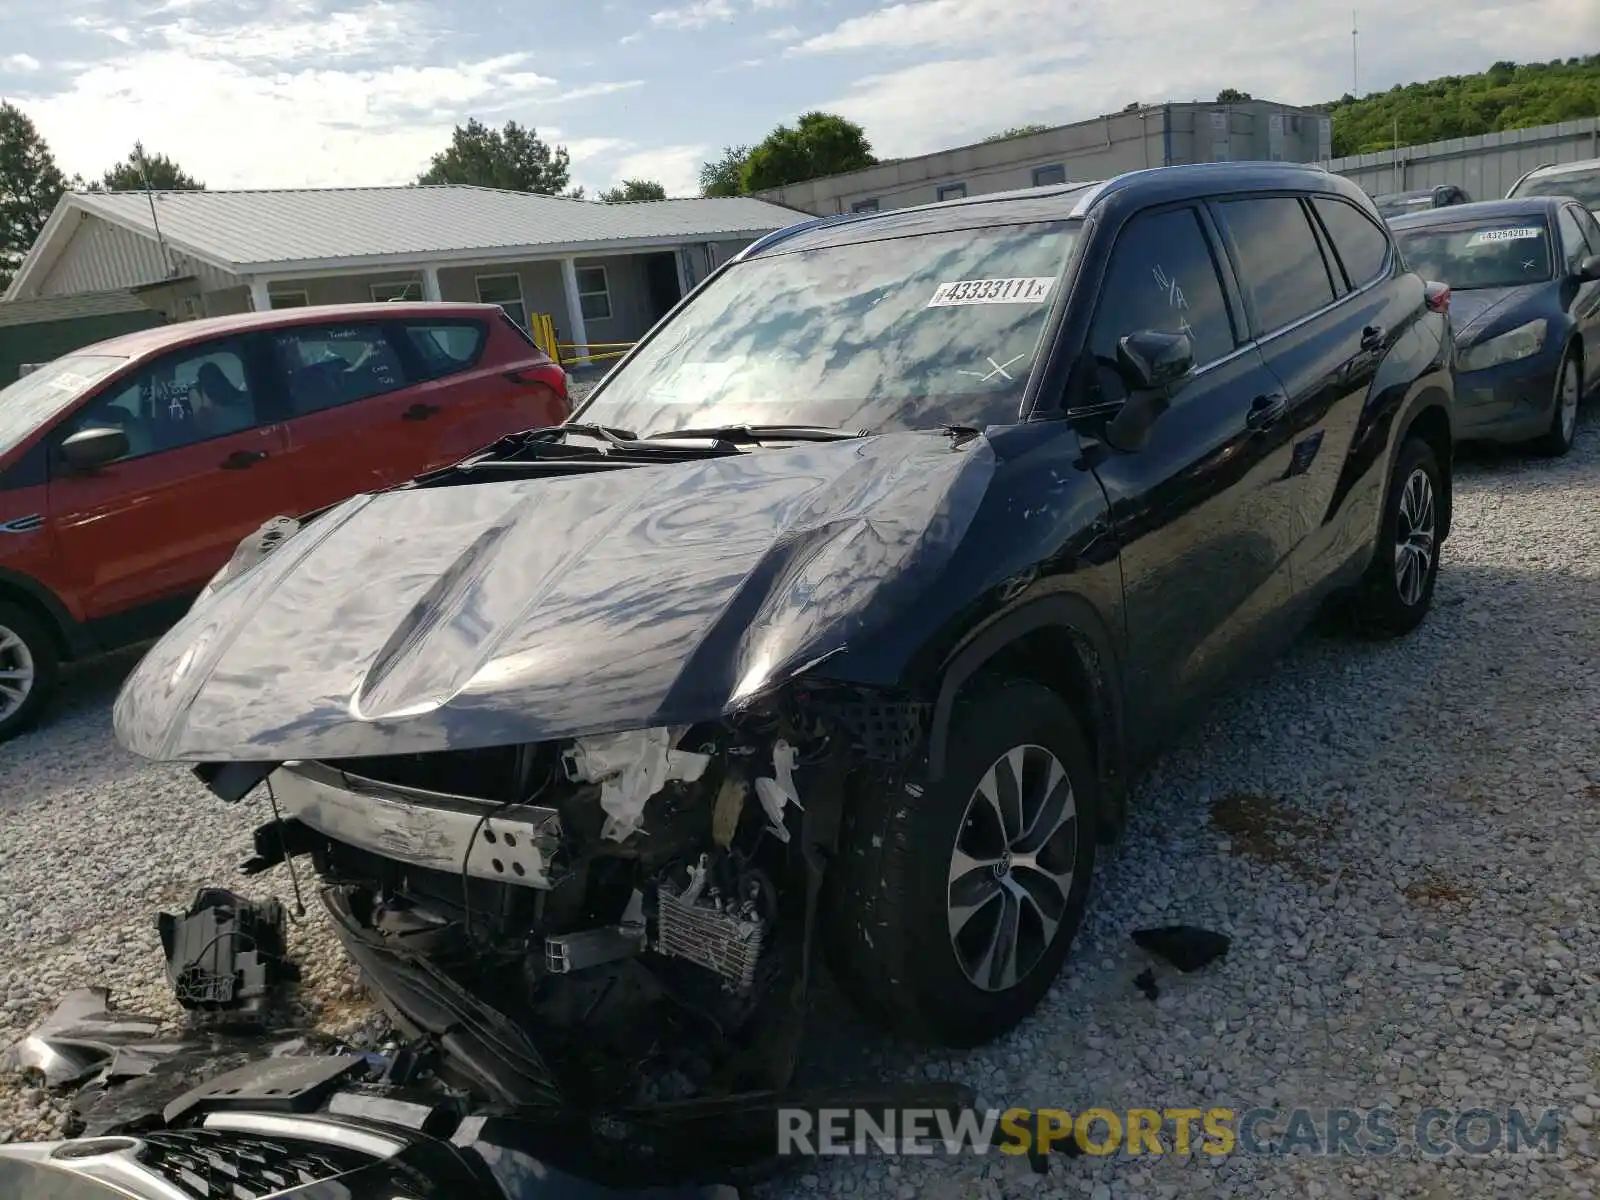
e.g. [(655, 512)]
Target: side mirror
[(1589, 268), (1151, 364), (1148, 360), (91, 449)]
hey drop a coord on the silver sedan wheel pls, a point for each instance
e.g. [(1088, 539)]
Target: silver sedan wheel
[(1011, 869), (17, 673), (1567, 392), (1414, 537)]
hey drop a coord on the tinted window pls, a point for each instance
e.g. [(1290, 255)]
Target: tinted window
[(329, 365), (1279, 259), (190, 396), (1574, 249), (1360, 245), (1482, 254), (444, 349), (1591, 229), (1161, 277), (908, 332), (1046, 176)]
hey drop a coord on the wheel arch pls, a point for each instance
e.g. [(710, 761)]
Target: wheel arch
[(1063, 643), (1431, 422), (28, 594)]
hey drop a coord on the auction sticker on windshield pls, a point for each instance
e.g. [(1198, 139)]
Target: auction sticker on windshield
[(1504, 235), (992, 291)]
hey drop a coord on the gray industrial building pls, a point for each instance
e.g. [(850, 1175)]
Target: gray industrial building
[(1137, 137)]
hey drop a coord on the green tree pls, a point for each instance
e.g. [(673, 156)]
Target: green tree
[(30, 185), (725, 176), (631, 190), (141, 169), (514, 159), (1232, 96), (818, 144), (1505, 96), (1016, 131)]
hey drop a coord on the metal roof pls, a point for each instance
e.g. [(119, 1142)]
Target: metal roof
[(254, 230), (70, 308)]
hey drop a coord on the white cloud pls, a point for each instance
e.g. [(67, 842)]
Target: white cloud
[(629, 39), (787, 34), (286, 100), (19, 63), (987, 64), (758, 5), (676, 168), (693, 16)]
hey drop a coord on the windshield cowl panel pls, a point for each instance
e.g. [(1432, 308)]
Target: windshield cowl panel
[(913, 332)]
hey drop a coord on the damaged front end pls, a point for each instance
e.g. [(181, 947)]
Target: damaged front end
[(616, 930)]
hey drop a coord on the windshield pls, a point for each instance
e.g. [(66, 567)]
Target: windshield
[(1583, 186), (37, 397), (901, 333), (1393, 206), (1484, 255)]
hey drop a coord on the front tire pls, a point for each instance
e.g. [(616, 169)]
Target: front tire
[(1398, 590), (1563, 430), (955, 903), (27, 669)]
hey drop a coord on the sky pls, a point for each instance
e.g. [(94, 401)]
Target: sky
[(313, 93)]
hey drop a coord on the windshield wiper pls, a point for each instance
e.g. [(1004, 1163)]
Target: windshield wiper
[(756, 434)]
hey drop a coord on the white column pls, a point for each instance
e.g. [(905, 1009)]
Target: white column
[(430, 284), (569, 284), (260, 299)]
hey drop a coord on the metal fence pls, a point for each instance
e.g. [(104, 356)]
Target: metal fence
[(1485, 165)]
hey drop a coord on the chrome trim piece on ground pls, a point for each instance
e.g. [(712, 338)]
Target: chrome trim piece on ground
[(425, 829)]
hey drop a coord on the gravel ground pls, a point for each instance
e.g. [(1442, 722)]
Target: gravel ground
[(1401, 840)]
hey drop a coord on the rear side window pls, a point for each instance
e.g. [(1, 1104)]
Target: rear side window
[(446, 348), (1161, 278), (1279, 260), (1362, 247), (330, 365)]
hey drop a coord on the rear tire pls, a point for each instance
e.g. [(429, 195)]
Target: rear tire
[(996, 855), (27, 669), (1398, 589), (1563, 430)]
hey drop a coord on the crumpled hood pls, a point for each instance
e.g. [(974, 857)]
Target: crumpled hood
[(1473, 312), (492, 614)]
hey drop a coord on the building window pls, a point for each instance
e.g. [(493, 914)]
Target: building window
[(397, 291), (864, 206), (594, 294), (953, 191), (506, 291), (1045, 176), (288, 299)]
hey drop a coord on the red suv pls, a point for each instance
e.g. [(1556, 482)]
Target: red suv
[(131, 469)]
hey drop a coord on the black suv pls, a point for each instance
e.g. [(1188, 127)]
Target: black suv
[(848, 604)]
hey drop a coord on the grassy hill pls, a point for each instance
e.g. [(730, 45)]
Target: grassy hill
[(1506, 96)]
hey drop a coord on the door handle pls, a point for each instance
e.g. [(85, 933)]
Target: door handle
[(1265, 411), (419, 412), (240, 459), (1372, 337)]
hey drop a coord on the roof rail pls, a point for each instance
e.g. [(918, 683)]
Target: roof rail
[(769, 240)]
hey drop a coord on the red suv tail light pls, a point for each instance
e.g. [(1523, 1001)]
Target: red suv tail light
[(545, 384)]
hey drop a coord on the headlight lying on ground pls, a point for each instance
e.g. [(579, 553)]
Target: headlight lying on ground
[(248, 553), (1522, 342)]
